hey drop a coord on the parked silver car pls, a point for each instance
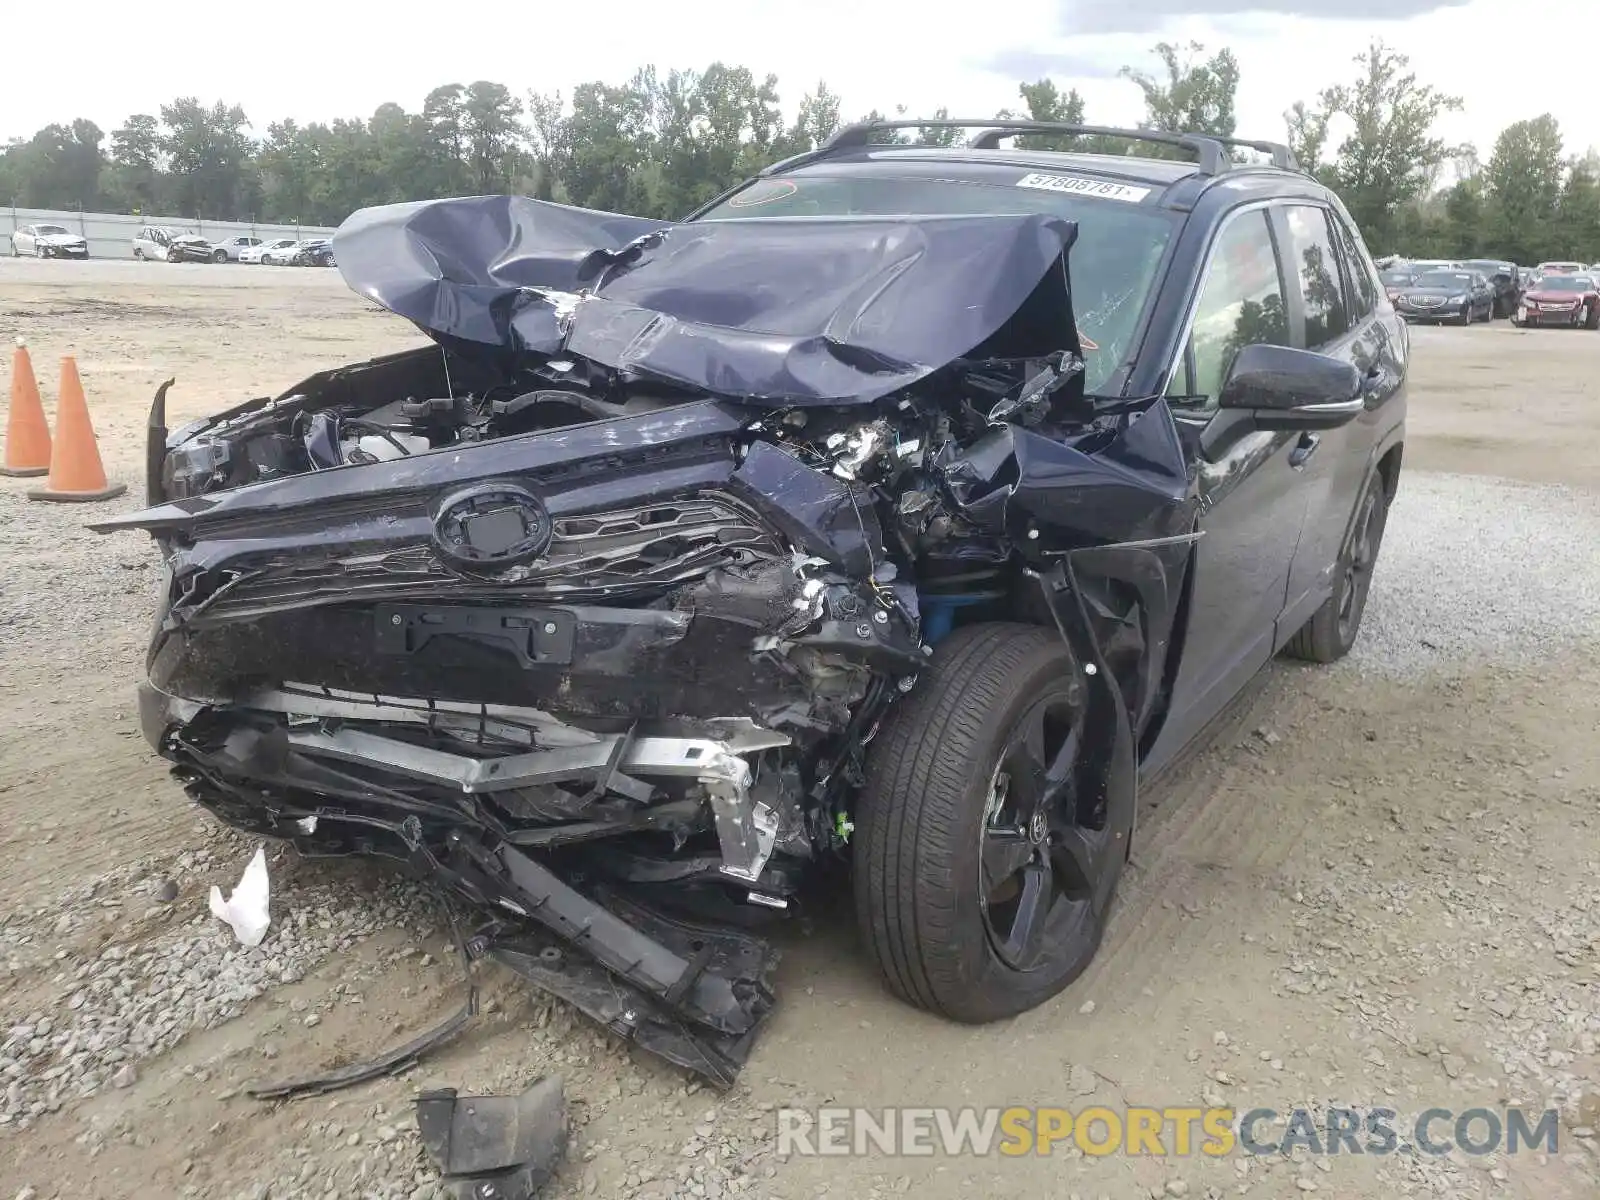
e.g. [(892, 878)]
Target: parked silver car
[(160, 244), (234, 249), (48, 241)]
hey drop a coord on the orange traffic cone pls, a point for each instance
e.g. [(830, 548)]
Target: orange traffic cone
[(75, 469), (27, 434)]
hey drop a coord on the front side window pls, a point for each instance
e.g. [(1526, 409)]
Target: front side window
[(1113, 263), (1316, 262), (1241, 304)]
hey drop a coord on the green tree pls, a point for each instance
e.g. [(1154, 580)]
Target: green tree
[(1195, 96), (134, 177), (1524, 181), (60, 166), (549, 141), (1391, 155), (492, 135), (1578, 216), (816, 120), (210, 156), (611, 142)]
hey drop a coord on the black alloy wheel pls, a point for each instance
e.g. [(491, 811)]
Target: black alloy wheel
[(1040, 852), (1356, 582), (986, 853)]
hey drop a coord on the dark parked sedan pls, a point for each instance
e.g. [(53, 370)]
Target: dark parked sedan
[(315, 253), (1504, 278), (1459, 297)]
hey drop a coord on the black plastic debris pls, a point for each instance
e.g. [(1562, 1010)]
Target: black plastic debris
[(495, 1147)]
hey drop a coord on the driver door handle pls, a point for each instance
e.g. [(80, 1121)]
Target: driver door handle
[(1304, 449)]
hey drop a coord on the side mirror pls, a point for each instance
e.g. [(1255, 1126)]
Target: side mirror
[(1286, 388)]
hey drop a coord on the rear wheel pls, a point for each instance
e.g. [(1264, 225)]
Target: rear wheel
[(984, 858), (138, 254), (1333, 628), (220, 256)]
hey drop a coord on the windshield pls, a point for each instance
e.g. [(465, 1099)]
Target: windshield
[(1113, 263), (1565, 283), (1456, 280), (51, 228), (1490, 268), (1395, 278)]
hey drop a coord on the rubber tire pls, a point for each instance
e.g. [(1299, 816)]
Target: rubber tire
[(1319, 639), (138, 254), (221, 256), (1466, 316), (918, 832)]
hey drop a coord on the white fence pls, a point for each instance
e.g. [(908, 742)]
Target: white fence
[(111, 234)]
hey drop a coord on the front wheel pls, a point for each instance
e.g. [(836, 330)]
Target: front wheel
[(986, 853), (1332, 629), (221, 256)]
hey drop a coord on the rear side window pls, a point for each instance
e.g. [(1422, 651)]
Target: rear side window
[(1241, 304), (1316, 262), (1364, 293)]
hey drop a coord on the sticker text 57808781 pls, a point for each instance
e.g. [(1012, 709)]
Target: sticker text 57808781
[(1077, 185)]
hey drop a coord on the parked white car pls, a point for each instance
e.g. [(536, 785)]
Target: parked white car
[(280, 252), (48, 241), (257, 253), (235, 247)]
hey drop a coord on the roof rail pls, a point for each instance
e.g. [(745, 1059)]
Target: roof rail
[(1281, 155), (1213, 158)]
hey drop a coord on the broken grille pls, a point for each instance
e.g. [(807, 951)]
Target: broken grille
[(592, 556)]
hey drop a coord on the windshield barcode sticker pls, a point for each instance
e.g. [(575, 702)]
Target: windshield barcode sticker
[(1077, 185)]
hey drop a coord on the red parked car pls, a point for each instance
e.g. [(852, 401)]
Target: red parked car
[(1570, 300)]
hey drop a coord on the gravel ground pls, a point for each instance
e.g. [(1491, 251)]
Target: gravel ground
[(1377, 885), (1474, 570)]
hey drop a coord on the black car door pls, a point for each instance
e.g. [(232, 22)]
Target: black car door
[(1251, 491), (1343, 318)]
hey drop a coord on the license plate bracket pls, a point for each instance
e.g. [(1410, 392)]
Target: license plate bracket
[(537, 636)]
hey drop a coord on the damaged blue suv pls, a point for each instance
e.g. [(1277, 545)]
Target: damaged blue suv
[(887, 523)]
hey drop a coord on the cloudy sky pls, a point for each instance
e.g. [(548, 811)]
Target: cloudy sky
[(333, 59)]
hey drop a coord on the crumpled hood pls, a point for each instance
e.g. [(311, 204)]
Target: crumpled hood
[(58, 239), (190, 239), (794, 311)]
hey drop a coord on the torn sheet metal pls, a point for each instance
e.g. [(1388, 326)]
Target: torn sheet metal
[(792, 311)]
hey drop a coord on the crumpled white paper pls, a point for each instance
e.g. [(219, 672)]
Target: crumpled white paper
[(246, 910)]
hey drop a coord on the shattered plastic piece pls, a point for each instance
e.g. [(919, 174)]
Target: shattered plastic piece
[(246, 911), (495, 1147)]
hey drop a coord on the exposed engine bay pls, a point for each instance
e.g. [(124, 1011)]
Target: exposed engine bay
[(591, 610)]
